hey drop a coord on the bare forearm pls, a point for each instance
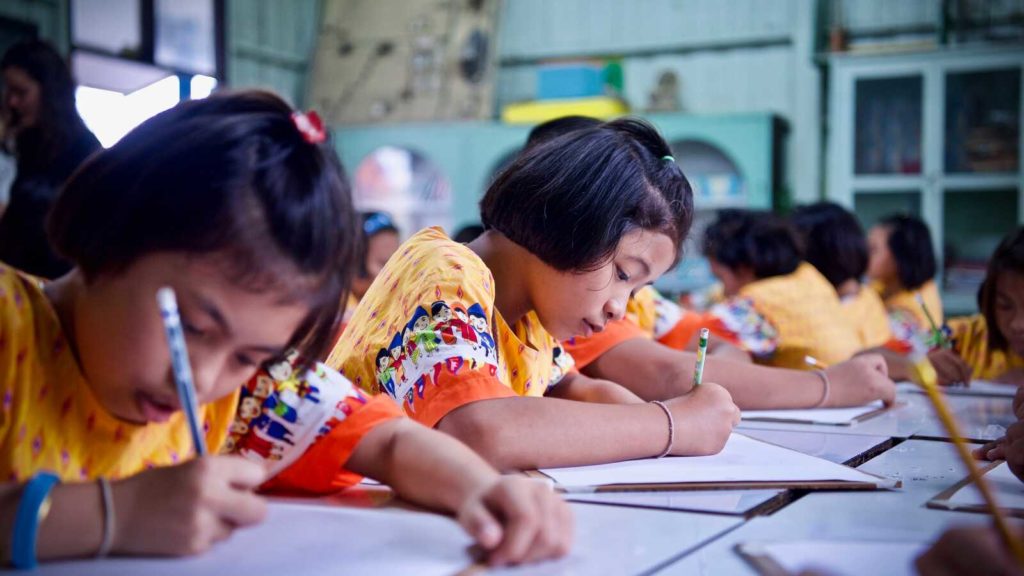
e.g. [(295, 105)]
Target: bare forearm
[(656, 372), (582, 388), (422, 465), (528, 433)]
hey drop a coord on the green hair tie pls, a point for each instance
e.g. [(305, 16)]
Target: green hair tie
[(668, 159)]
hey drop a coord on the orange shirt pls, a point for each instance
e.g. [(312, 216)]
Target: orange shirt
[(428, 335), (648, 315), (304, 426)]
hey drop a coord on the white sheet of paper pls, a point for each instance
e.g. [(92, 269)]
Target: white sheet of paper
[(841, 558), (312, 540), (743, 459), (976, 388), (1008, 490), (833, 416)]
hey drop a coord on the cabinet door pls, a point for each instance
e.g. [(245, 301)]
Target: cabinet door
[(982, 121), (887, 125)]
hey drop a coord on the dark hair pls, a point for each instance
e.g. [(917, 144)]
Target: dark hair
[(558, 127), (227, 174), (1008, 257), (910, 243), (468, 233), (373, 223), (761, 241), (570, 200), (834, 242), (58, 119)]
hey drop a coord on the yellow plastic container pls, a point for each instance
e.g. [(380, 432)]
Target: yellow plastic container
[(536, 112)]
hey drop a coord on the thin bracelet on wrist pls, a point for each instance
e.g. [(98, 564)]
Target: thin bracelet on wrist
[(824, 396), (671, 428)]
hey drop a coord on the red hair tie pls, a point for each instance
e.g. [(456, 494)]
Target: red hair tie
[(310, 126)]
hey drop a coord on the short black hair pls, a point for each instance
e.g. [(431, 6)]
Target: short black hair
[(372, 224), (834, 241), (1008, 257), (910, 243), (558, 127), (230, 174), (570, 200), (468, 233), (759, 240)]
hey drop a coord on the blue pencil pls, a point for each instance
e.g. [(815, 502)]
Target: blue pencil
[(180, 364)]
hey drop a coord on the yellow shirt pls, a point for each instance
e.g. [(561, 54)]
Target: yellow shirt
[(906, 303), (866, 313), (970, 340), (804, 310), (50, 419), (428, 335)]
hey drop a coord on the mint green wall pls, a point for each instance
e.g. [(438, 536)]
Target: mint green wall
[(270, 45), (467, 153)]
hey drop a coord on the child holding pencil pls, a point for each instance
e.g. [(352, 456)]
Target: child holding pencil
[(466, 337), (650, 350), (991, 343), (236, 204)]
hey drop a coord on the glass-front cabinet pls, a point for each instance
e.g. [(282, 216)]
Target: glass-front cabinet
[(936, 135)]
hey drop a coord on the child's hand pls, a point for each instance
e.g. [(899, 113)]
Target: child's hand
[(518, 519), (996, 450), (185, 509), (965, 551), (860, 380), (704, 419), (950, 367)]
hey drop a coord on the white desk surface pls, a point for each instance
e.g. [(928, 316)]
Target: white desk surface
[(838, 448), (315, 538), (925, 467), (981, 418), (364, 531)]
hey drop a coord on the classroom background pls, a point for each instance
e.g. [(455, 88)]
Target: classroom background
[(886, 107)]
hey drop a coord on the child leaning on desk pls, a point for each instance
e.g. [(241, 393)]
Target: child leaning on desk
[(237, 204)]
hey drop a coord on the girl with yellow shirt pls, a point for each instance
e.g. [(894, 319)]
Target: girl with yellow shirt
[(779, 308), (901, 268), (237, 204), (650, 350), (992, 342), (466, 337)]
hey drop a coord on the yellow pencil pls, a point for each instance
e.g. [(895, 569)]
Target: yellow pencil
[(929, 381)]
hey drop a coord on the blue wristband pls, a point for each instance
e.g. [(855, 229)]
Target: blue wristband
[(26, 523)]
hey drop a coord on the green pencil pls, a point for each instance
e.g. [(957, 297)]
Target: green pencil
[(937, 336), (702, 351)]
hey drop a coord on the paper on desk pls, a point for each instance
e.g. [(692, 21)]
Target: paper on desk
[(1007, 489), (831, 416), (311, 540), (744, 460), (833, 557)]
